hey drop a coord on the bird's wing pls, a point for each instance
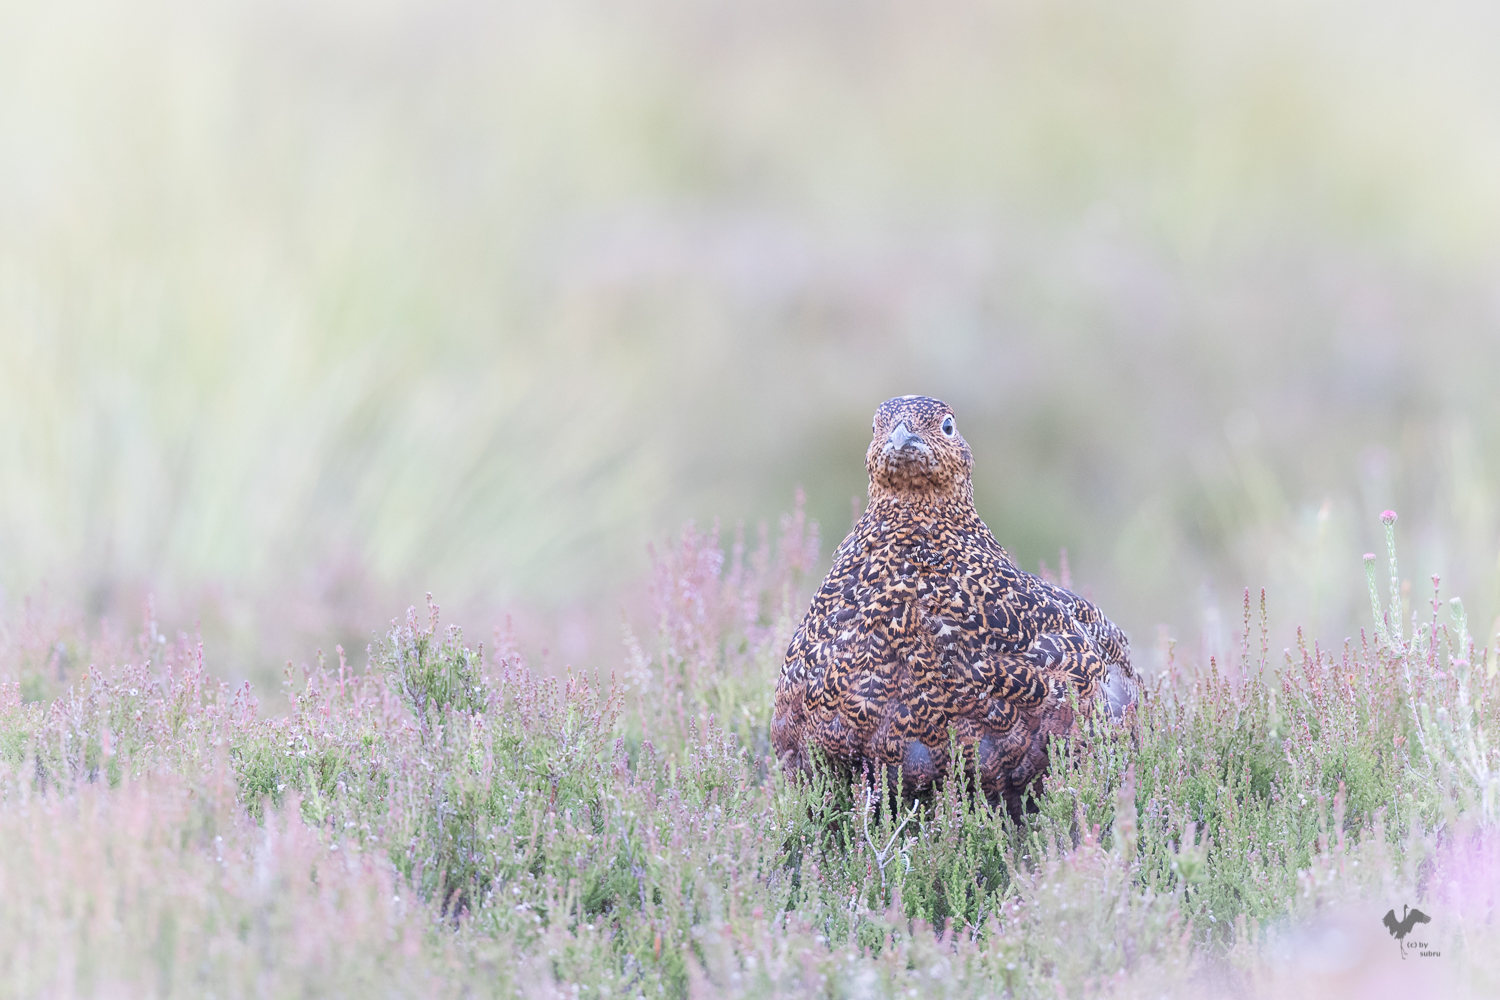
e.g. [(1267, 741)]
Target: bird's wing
[(1119, 684), (1021, 633), (1109, 638), (979, 626), (1390, 921)]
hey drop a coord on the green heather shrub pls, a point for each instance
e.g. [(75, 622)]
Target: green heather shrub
[(443, 822)]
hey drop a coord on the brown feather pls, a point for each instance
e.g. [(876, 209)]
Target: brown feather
[(925, 625)]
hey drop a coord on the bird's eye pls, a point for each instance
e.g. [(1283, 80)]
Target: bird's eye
[(948, 426)]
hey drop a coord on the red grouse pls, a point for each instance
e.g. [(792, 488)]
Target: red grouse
[(925, 624)]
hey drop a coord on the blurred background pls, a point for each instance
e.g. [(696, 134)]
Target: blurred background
[(306, 309)]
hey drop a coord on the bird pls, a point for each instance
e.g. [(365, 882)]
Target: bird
[(1400, 928), (926, 626)]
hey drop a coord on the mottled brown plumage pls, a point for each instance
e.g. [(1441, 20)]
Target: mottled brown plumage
[(925, 625)]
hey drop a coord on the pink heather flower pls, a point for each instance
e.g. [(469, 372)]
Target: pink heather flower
[(1388, 518), (1369, 557)]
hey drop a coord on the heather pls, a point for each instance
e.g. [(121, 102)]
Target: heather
[(439, 817)]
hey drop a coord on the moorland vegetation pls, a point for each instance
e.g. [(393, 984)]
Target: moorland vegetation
[(443, 820)]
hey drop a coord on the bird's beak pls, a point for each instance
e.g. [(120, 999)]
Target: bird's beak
[(900, 437)]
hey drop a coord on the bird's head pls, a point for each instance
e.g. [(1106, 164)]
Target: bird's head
[(917, 452)]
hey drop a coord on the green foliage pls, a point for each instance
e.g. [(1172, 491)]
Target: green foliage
[(625, 838), (437, 677)]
